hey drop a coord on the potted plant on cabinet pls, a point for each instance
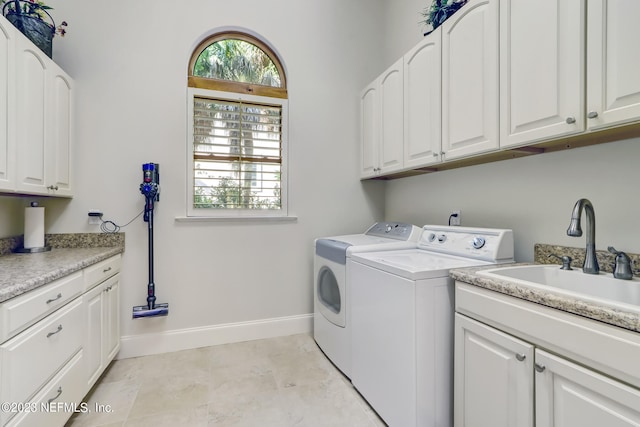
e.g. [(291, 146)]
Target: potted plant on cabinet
[(32, 18), (440, 11)]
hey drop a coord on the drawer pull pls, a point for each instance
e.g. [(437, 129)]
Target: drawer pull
[(56, 396), (49, 301), (53, 333), (106, 269)]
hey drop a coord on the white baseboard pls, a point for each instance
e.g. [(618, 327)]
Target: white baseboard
[(183, 339)]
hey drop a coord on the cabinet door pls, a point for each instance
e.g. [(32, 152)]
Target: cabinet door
[(391, 118), (60, 134), (93, 345), (369, 131), (422, 102), (541, 70), (570, 395), (31, 79), (493, 380), (7, 104), (112, 318), (470, 80), (102, 342), (613, 61)]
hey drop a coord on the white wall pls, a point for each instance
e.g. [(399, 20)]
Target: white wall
[(534, 196), (402, 27), (11, 213), (129, 61)]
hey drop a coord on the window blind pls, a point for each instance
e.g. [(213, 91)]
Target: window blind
[(237, 154)]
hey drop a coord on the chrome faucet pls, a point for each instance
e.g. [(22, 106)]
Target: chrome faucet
[(590, 265)]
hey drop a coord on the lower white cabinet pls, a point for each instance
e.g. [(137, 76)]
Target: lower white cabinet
[(103, 330), (57, 400), (493, 377), (512, 379), (55, 342), (568, 394), (30, 358)]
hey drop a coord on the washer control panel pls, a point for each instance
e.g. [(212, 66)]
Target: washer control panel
[(393, 230), (480, 243)]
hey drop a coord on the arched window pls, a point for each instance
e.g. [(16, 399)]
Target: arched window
[(237, 128)]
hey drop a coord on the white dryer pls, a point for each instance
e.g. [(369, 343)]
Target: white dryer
[(402, 305), (331, 290)]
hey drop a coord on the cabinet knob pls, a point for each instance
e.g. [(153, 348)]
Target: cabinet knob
[(436, 154), (570, 120), (539, 367), (592, 114), (53, 187), (520, 357)]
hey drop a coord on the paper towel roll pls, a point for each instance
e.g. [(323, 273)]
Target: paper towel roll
[(33, 227)]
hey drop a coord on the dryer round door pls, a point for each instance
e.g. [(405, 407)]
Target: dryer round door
[(330, 292)]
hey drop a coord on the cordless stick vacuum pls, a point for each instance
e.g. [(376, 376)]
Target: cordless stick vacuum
[(150, 188)]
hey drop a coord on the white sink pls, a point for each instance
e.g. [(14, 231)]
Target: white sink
[(600, 288)]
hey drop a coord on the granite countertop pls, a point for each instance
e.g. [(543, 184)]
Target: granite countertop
[(21, 273), (601, 312)]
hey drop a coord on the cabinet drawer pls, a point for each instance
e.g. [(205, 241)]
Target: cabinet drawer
[(32, 357), (101, 271), (21, 312), (58, 399)]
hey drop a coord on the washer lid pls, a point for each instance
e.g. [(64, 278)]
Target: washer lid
[(415, 264)]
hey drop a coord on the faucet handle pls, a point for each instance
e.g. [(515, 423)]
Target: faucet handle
[(566, 261), (622, 266)]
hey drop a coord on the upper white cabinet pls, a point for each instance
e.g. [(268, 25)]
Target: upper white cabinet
[(60, 134), (542, 72), (422, 102), (392, 120), (7, 100), (470, 80), (613, 61), (381, 107), (369, 131), (31, 83), (38, 135), (492, 79)]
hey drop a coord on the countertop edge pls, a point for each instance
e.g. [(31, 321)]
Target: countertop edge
[(77, 259), (588, 309)]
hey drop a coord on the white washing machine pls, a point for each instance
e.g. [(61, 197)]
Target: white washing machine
[(402, 305), (331, 291)]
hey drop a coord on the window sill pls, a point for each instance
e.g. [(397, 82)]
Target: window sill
[(237, 219)]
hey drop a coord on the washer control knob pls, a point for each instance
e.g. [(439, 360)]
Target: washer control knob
[(388, 228), (431, 237), (478, 242), (442, 238)]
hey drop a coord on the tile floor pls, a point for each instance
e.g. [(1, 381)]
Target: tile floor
[(280, 382)]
